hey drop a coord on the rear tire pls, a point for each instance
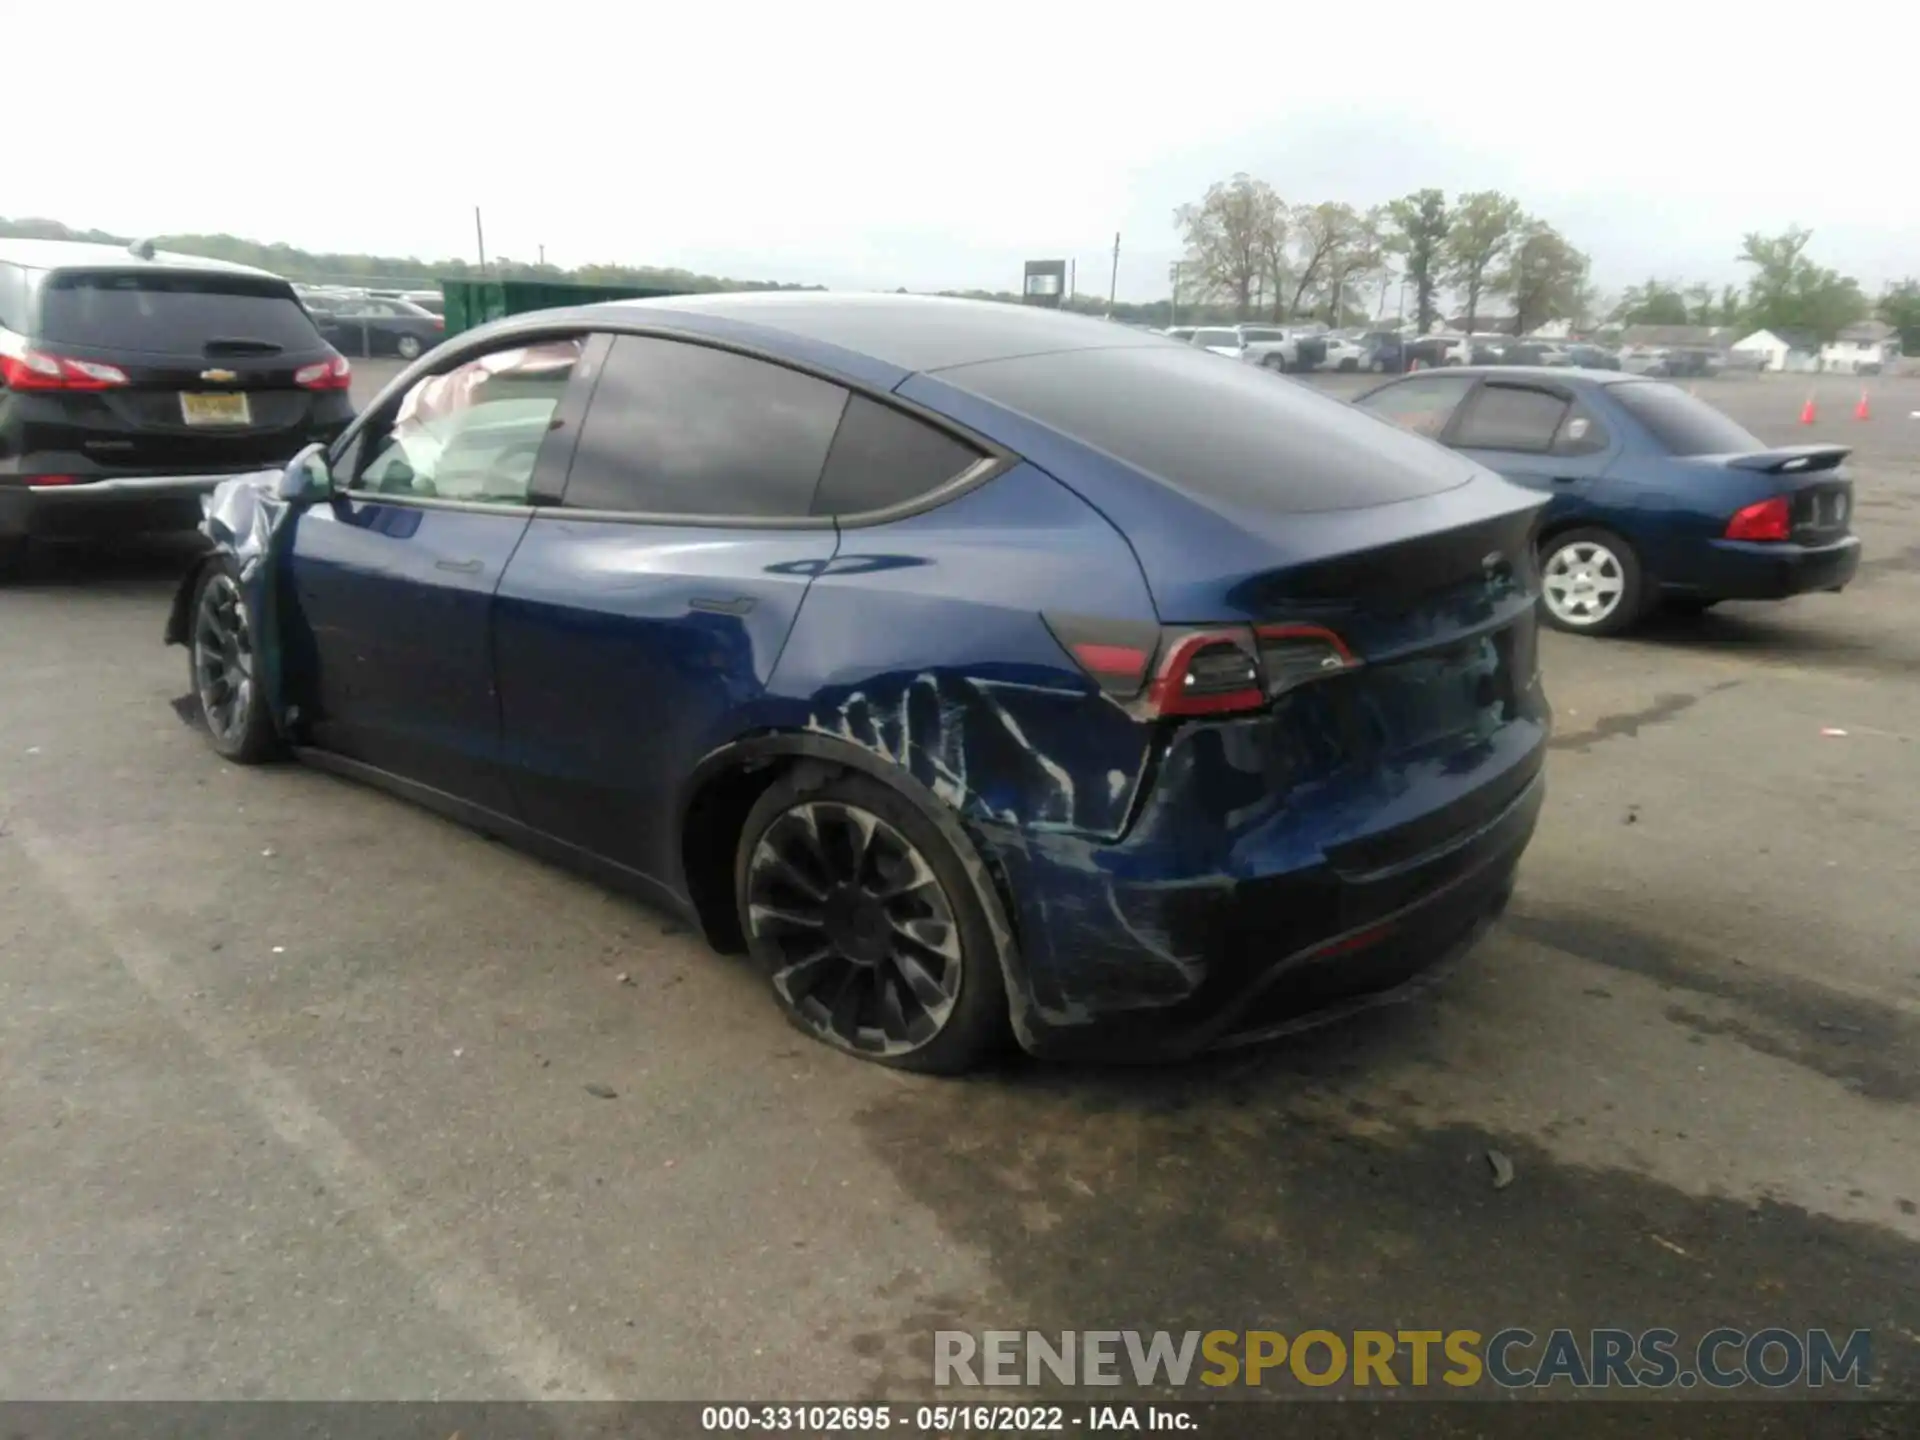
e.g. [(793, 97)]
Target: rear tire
[(1590, 582), (222, 668), (867, 923), (1275, 362), (409, 347)]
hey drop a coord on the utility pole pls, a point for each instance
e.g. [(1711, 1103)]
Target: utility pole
[(543, 256), (1173, 306), (1113, 284), (1071, 266), (480, 239)]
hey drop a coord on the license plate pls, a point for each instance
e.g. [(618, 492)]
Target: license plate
[(227, 407)]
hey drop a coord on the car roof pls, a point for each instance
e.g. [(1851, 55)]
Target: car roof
[(909, 332), (1537, 372), (88, 255)]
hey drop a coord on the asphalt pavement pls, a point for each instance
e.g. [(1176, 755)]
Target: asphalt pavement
[(295, 1078)]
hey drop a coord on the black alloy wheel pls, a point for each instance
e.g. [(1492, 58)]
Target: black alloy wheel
[(867, 925), (222, 660)]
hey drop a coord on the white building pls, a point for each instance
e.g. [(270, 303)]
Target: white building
[(1779, 353), (1868, 347)]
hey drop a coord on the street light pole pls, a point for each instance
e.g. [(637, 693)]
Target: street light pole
[(1113, 283)]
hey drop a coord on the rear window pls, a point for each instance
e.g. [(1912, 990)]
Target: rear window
[(1683, 423), (175, 313), (1222, 432)]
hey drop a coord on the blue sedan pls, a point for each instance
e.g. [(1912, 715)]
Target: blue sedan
[(977, 669), (1654, 497)]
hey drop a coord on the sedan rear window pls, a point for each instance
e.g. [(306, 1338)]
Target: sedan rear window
[(1226, 432), (1683, 423), (175, 313)]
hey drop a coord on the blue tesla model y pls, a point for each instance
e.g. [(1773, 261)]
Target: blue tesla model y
[(976, 668)]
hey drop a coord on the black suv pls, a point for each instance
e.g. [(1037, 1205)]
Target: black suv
[(131, 382)]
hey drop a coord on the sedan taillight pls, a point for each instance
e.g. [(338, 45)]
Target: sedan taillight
[(1768, 520)]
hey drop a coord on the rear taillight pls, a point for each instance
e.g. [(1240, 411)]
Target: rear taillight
[(1767, 520), (334, 374), (37, 370), (1210, 670)]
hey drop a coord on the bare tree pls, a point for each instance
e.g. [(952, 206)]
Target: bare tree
[(1320, 233), (1229, 236), (1357, 261), (1543, 275)]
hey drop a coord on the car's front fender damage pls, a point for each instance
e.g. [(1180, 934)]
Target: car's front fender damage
[(244, 519)]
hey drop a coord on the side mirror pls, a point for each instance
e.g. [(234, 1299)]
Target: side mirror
[(306, 478)]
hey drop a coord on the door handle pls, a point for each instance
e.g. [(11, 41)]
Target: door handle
[(458, 567), (738, 605)]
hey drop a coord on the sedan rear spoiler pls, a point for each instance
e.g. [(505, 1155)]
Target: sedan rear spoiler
[(1792, 459)]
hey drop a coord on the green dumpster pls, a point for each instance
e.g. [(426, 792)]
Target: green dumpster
[(475, 302)]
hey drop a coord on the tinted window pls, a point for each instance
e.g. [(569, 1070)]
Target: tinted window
[(1683, 423), (1423, 406), (678, 429), (473, 433), (1253, 333), (883, 456), (1226, 432), (1506, 417), (170, 313), (13, 299), (1227, 338)]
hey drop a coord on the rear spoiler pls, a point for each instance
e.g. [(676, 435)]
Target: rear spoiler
[(1792, 459)]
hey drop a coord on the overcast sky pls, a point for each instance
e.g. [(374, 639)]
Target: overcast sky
[(873, 146)]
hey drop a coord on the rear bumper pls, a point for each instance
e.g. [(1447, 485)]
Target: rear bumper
[(1133, 970), (127, 504), (1753, 570)]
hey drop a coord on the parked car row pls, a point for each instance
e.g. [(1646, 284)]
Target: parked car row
[(1386, 352), (375, 323)]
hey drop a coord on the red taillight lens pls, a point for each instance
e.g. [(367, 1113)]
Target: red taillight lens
[(36, 370), (1216, 670), (1768, 520), (39, 480), (334, 374)]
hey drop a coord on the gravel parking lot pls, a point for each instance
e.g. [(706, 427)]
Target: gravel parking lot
[(293, 1074)]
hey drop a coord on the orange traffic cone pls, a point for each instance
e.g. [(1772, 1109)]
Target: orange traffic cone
[(1860, 411), (1806, 411)]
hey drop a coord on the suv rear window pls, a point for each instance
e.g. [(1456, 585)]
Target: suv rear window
[(1225, 432), (170, 313), (1683, 423)]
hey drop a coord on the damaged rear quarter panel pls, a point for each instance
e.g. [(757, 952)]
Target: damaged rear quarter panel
[(923, 644)]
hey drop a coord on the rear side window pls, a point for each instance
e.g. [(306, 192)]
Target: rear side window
[(13, 299), (1227, 339), (679, 429), (1226, 432), (883, 457), (1683, 423), (1423, 406), (176, 313), (1509, 417)]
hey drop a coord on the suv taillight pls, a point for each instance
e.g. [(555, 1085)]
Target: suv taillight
[(334, 374), (37, 370), (1205, 670), (1768, 520)]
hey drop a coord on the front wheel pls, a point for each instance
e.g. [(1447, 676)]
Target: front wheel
[(866, 920), (222, 661), (1275, 362), (1590, 582)]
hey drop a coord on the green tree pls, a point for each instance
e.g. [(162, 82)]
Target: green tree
[(1789, 291), (1543, 274), (1355, 265), (1229, 237), (1654, 303), (1415, 233), (1327, 239), (1483, 230), (1900, 308)]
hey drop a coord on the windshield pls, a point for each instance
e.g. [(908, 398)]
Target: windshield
[(1683, 423), (176, 314)]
